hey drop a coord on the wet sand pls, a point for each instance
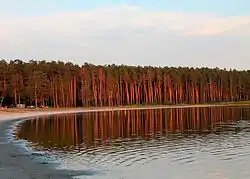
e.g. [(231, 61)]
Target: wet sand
[(17, 163)]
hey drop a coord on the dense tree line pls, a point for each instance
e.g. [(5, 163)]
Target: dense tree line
[(61, 84)]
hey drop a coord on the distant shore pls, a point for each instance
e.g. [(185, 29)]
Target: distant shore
[(14, 163)]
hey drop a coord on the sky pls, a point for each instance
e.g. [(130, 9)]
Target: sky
[(204, 33)]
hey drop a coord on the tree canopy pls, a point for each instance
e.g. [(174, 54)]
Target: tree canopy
[(61, 84)]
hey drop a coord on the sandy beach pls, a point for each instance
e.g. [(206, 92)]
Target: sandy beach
[(16, 162)]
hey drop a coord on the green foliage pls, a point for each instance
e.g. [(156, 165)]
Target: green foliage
[(68, 85)]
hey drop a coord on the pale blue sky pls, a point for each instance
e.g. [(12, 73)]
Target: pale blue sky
[(213, 33), (223, 7)]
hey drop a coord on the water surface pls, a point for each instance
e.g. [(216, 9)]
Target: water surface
[(188, 143)]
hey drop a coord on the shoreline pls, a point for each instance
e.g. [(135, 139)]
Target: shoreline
[(51, 110), (15, 161)]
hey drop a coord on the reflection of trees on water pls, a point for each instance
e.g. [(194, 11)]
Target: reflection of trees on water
[(91, 129)]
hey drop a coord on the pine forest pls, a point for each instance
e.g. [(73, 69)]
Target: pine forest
[(59, 84)]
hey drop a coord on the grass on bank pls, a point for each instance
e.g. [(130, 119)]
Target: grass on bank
[(237, 103)]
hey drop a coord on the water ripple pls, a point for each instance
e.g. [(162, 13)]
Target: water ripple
[(220, 150)]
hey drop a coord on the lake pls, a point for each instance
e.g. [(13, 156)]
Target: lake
[(187, 143)]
